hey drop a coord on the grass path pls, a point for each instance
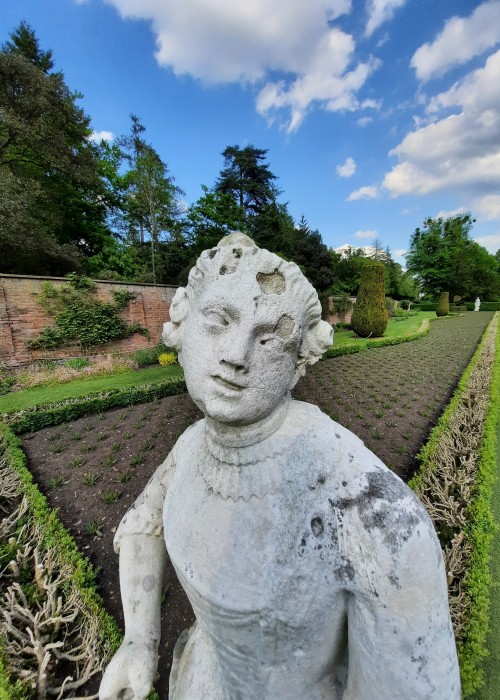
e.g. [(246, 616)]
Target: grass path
[(491, 688), (394, 328), (27, 398)]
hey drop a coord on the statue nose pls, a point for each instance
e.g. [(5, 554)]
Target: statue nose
[(234, 352)]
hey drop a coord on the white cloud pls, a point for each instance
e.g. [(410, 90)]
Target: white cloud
[(364, 121), (98, 136), (248, 41), (460, 40), (447, 214), (366, 234), (460, 151), (491, 243), (399, 253), (488, 206), (380, 11), (347, 169), (370, 192)]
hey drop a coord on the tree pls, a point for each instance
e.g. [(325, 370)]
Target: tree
[(247, 178), (49, 170), (213, 216), (150, 204), (444, 258), (369, 317)]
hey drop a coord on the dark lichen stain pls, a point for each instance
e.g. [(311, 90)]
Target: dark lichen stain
[(394, 580), (421, 659), (344, 571), (321, 479), (223, 270), (212, 253), (377, 509), (317, 526), (237, 252)]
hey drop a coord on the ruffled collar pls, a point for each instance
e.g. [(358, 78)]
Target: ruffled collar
[(245, 462)]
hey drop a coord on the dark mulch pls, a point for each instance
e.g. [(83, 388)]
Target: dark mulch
[(390, 397)]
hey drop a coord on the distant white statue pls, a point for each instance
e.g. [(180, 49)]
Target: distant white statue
[(477, 305), (314, 572)]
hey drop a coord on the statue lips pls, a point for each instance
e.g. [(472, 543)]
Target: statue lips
[(228, 384)]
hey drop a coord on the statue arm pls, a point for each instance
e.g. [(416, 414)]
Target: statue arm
[(400, 633), (142, 556)]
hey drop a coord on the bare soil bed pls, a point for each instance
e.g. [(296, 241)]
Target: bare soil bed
[(92, 469)]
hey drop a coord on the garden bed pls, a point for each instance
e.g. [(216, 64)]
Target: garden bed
[(93, 468)]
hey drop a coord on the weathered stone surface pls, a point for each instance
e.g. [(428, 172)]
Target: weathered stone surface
[(313, 570)]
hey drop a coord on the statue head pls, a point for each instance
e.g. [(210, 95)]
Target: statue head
[(245, 327)]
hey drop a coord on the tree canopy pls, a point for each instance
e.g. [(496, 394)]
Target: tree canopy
[(444, 258)]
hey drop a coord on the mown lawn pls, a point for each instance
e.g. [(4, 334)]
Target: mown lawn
[(27, 398), (394, 328)]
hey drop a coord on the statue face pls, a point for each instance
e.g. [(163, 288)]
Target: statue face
[(239, 350)]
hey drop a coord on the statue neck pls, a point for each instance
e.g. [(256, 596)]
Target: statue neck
[(232, 436)]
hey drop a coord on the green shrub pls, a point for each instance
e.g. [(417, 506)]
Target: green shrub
[(6, 382), (427, 305), (405, 304), (369, 317), (149, 356), (167, 358), (443, 305)]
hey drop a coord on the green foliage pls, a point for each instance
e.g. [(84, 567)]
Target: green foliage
[(444, 258), (443, 305), (52, 198), (81, 318), (485, 306), (43, 416), (247, 178), (76, 363), (369, 317), (149, 356), (341, 305)]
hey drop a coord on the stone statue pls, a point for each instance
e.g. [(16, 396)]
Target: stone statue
[(314, 571), (477, 305)]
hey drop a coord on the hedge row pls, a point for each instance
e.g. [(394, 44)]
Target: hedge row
[(56, 537), (53, 414), (378, 343), (485, 305), (479, 383)]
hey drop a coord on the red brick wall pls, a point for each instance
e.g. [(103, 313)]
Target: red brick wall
[(22, 318)]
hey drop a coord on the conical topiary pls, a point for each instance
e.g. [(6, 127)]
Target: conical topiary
[(370, 317), (443, 305)]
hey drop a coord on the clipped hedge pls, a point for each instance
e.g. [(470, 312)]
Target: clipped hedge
[(378, 343), (53, 414), (485, 305), (54, 536), (467, 547)]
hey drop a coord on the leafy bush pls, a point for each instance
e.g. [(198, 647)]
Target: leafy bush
[(390, 305), (443, 305), (405, 304), (369, 317), (149, 356), (167, 358)]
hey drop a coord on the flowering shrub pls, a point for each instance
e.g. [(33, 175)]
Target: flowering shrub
[(167, 358)]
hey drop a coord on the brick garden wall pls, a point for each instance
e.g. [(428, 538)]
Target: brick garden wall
[(22, 318)]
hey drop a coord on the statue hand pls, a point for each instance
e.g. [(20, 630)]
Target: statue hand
[(130, 673)]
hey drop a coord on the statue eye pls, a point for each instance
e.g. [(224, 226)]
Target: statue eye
[(217, 318)]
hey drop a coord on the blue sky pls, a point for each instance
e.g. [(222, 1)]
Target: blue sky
[(376, 113)]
